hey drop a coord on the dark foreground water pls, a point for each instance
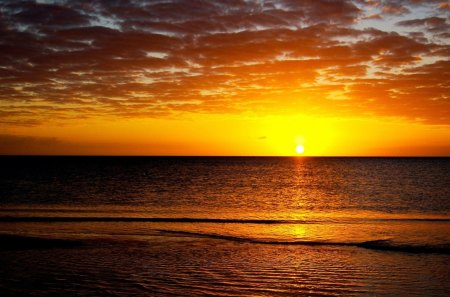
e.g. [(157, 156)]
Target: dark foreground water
[(119, 226)]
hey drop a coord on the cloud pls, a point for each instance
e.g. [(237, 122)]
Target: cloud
[(29, 145), (41, 14), (375, 16), (433, 24), (75, 59), (395, 9), (13, 144)]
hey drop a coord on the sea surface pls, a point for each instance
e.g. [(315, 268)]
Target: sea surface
[(224, 226)]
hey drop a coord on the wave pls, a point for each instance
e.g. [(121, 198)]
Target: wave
[(15, 241), (203, 220), (381, 244), (386, 245), (153, 219)]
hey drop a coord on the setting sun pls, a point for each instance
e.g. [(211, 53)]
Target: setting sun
[(300, 149)]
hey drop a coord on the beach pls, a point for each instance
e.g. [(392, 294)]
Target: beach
[(191, 266)]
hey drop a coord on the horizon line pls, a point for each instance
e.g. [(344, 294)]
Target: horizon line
[(228, 156)]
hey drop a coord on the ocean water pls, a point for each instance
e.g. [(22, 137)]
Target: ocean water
[(219, 226)]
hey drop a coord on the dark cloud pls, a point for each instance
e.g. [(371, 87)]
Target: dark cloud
[(13, 144), (82, 59), (30, 145), (391, 49), (40, 14), (432, 24)]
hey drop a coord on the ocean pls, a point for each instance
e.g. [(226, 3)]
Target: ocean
[(224, 226)]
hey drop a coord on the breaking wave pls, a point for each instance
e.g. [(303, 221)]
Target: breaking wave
[(381, 244)]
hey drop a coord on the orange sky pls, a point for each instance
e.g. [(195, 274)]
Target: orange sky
[(225, 77)]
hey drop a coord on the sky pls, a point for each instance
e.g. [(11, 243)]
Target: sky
[(231, 77)]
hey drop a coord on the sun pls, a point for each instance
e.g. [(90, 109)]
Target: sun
[(300, 149)]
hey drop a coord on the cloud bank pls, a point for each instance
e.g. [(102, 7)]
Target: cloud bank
[(65, 60)]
